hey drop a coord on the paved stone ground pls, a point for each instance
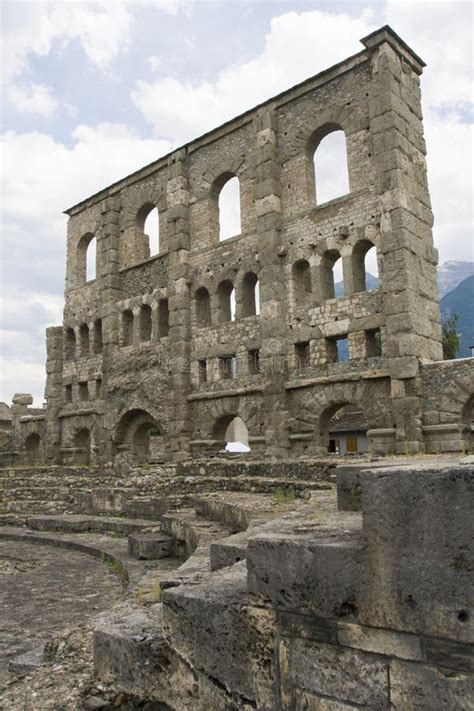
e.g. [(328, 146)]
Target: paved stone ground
[(45, 589)]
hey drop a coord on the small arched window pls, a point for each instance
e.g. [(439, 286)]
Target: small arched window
[(329, 155), (145, 323), (127, 327), (250, 299), (226, 301), (226, 192), (70, 344), (203, 307), (302, 286), (84, 340), (365, 266), (86, 258), (148, 222), (332, 282)]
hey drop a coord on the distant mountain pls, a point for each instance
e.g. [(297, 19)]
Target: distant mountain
[(370, 281), (460, 301), (450, 274)]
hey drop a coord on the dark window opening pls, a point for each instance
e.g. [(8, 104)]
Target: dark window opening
[(373, 343), (163, 318), (83, 392), (228, 367), (68, 393), (202, 371), (302, 355), (254, 361)]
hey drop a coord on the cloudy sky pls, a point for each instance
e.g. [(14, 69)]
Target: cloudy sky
[(93, 91)]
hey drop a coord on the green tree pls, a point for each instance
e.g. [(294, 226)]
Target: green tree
[(450, 338)]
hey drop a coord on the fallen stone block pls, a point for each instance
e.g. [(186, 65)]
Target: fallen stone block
[(27, 662)]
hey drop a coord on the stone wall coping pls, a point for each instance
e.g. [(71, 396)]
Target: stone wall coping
[(210, 395), (444, 427), (32, 418), (344, 377)]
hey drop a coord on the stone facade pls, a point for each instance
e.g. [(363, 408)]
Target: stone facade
[(149, 346)]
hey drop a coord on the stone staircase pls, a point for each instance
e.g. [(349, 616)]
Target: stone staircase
[(156, 528)]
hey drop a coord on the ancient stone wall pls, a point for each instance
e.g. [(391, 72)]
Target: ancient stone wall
[(152, 341)]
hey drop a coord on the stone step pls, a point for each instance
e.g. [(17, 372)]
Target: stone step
[(312, 470), (76, 523), (39, 506), (150, 545), (193, 530)]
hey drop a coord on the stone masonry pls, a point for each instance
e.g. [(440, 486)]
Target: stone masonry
[(150, 363)]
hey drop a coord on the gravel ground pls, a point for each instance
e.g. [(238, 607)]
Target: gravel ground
[(44, 590)]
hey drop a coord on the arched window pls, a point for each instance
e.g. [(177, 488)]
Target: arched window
[(227, 191), (226, 301), (301, 273), (145, 323), (250, 300), (148, 222), (70, 344), (332, 283), (329, 154), (84, 340), (203, 307), (98, 342), (364, 266), (127, 328), (86, 258)]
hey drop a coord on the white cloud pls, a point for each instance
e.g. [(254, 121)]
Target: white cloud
[(34, 99), (180, 111), (41, 177), (102, 28)]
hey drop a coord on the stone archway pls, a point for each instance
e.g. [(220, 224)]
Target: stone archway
[(82, 446), (139, 434), (228, 429), (32, 447)]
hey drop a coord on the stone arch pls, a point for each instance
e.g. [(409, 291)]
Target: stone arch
[(82, 446), (84, 340), (32, 447), (138, 202), (302, 283), (145, 322), (134, 432), (202, 304), (225, 294), (70, 344), (327, 278), (249, 297), (230, 428), (359, 268), (313, 131), (225, 215), (86, 260)]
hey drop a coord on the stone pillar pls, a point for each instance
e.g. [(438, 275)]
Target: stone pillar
[(179, 427), (110, 293), (272, 305), (408, 278), (53, 393)]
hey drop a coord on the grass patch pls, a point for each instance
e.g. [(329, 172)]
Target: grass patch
[(284, 496)]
